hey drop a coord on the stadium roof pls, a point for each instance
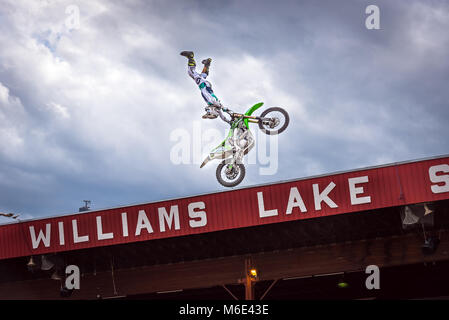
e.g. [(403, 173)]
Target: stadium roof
[(359, 190)]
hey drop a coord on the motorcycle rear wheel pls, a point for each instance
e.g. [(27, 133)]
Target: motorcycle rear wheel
[(235, 176)]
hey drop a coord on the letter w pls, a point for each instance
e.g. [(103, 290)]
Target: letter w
[(41, 237)]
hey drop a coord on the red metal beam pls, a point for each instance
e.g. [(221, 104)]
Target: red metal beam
[(324, 259)]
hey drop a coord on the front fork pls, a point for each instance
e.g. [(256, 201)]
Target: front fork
[(272, 122)]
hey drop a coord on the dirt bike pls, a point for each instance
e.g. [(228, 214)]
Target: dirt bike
[(239, 141)]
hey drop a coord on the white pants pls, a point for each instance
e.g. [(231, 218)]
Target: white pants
[(205, 86)]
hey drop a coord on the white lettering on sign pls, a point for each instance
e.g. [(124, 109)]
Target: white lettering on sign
[(168, 218), (124, 224), (45, 238), (262, 212), (323, 196), (61, 233), (295, 200), (143, 223), (194, 215), (354, 191), (100, 234), (437, 179), (76, 237), (164, 217)]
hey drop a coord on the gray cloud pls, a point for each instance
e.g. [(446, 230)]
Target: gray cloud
[(88, 113)]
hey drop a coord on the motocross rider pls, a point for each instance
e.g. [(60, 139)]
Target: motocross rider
[(205, 86)]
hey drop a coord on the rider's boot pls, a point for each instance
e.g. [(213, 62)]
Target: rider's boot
[(206, 63), (189, 55), (211, 113)]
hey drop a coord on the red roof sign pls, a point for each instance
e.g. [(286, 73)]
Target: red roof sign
[(358, 190)]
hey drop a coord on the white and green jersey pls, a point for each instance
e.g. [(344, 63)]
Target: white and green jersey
[(205, 86)]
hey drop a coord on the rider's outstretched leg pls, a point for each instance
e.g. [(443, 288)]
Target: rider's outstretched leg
[(206, 63), (189, 55)]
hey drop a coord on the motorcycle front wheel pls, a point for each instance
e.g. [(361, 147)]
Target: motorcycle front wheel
[(230, 175), (274, 120)]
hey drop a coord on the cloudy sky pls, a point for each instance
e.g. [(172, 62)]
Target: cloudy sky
[(87, 110)]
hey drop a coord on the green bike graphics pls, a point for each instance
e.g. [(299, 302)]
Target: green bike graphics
[(239, 141)]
